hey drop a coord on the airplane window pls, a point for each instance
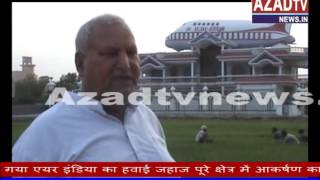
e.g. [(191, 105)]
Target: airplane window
[(190, 35), (251, 35), (203, 24), (181, 35), (230, 36), (267, 35), (185, 35), (194, 24), (177, 35), (256, 35), (240, 35), (235, 35), (246, 35), (208, 24), (199, 24), (261, 35), (224, 35), (212, 24)]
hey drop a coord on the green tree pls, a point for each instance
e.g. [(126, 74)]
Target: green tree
[(69, 81), (29, 90)]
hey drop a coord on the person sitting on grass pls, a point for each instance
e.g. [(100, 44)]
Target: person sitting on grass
[(289, 138), (276, 133), (303, 136), (202, 135)]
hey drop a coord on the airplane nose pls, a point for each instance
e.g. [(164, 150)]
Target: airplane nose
[(168, 42)]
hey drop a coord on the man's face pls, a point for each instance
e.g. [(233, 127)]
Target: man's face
[(111, 63)]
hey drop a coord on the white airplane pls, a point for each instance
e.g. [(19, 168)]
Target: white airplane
[(239, 33)]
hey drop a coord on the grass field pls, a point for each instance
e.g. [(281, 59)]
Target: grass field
[(233, 140)]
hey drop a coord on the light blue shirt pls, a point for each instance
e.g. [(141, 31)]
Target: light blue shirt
[(87, 133)]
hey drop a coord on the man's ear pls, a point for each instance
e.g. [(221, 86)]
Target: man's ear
[(79, 61)]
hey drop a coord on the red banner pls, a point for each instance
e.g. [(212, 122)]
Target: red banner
[(152, 169)]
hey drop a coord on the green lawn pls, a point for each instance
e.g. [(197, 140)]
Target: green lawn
[(233, 140), (18, 127)]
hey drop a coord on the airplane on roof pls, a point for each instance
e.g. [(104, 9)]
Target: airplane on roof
[(238, 33)]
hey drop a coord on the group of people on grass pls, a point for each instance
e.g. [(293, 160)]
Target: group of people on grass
[(280, 135), (287, 138)]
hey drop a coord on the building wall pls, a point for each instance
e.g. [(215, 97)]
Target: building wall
[(27, 69)]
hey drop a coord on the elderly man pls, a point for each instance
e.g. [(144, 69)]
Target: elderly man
[(107, 61)]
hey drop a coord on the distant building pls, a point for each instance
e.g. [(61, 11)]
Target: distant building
[(27, 69)]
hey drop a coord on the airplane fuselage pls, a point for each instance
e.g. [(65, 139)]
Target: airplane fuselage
[(243, 34)]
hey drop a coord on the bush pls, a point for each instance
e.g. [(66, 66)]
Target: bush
[(29, 90)]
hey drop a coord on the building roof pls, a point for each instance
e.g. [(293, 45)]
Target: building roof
[(171, 56), (263, 57)]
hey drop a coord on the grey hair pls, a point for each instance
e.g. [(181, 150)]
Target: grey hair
[(83, 35)]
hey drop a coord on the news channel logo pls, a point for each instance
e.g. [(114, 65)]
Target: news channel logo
[(280, 11)]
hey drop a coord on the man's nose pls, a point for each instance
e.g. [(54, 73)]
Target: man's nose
[(123, 61)]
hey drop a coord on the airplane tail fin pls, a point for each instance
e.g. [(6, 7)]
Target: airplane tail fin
[(284, 27)]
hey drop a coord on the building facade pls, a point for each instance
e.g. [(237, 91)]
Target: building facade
[(27, 69), (214, 66)]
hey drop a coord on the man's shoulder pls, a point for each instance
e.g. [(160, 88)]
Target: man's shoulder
[(58, 113), (54, 111), (147, 112), (144, 107), (148, 116)]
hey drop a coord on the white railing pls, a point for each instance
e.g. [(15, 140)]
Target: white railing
[(289, 49), (298, 50), (225, 79)]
